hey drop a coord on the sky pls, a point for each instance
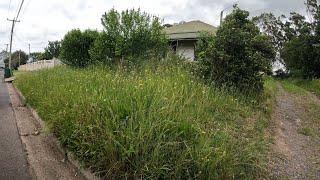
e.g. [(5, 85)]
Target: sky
[(48, 20)]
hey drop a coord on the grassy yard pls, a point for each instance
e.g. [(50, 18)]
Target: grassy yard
[(155, 123)]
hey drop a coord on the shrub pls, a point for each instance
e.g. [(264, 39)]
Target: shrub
[(238, 55), (129, 35), (75, 47)]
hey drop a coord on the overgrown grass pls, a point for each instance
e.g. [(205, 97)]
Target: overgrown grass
[(309, 85), (155, 123)]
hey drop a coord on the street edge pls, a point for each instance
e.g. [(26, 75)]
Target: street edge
[(69, 156)]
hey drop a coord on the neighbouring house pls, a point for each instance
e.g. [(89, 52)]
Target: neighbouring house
[(3, 56), (184, 36)]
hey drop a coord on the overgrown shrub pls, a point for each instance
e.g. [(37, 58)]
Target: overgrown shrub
[(238, 55), (75, 47), (128, 35)]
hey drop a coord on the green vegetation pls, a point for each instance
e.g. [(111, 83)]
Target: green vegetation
[(127, 112), (18, 58), (237, 55), (296, 39), (306, 131), (292, 88), (309, 85), (52, 50), (75, 47), (129, 36), (154, 122)]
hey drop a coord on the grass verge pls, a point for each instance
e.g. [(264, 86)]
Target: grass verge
[(155, 123), (312, 86)]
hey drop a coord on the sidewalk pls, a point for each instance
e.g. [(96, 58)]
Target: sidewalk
[(13, 160)]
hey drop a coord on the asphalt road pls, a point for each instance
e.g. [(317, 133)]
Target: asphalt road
[(13, 159)]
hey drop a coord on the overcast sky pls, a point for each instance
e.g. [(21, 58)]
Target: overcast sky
[(48, 20)]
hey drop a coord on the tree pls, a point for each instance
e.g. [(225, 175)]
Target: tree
[(129, 35), (52, 50), (18, 58), (75, 47), (296, 39), (37, 55), (238, 55)]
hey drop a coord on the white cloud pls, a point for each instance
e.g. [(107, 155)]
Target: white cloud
[(47, 20)]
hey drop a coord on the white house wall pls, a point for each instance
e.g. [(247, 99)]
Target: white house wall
[(186, 49), (2, 57)]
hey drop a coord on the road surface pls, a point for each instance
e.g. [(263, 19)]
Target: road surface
[(13, 159)]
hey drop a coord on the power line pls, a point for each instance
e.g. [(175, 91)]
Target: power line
[(26, 7), (20, 9), (9, 7), (11, 37), (14, 21)]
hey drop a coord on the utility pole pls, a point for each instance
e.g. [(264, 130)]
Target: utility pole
[(222, 12), (221, 17), (14, 21)]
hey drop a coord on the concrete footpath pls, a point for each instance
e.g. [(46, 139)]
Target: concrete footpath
[(13, 158)]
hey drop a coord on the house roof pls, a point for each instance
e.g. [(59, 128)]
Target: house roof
[(189, 30)]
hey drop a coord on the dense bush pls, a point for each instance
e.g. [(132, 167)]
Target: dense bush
[(128, 35), (75, 47), (238, 55)]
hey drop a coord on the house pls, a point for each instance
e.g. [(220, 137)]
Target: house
[(183, 36), (3, 56)]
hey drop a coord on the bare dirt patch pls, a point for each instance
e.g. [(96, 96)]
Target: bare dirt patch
[(294, 155), (44, 157)]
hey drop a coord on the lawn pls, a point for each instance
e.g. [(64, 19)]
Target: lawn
[(152, 123)]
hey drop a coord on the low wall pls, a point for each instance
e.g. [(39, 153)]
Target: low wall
[(43, 64)]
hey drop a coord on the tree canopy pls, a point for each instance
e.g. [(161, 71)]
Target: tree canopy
[(52, 50), (75, 47), (18, 58), (129, 35), (238, 54), (297, 39)]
